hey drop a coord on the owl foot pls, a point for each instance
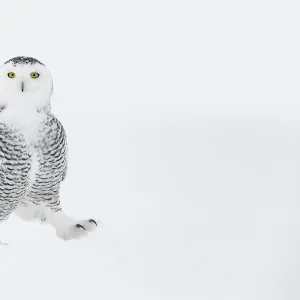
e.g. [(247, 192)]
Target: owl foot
[(68, 228), (78, 230)]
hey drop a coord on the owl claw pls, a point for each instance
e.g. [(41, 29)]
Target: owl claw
[(93, 221), (80, 226), (77, 230)]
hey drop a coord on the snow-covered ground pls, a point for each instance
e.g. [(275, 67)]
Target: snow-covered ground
[(183, 123), (195, 204)]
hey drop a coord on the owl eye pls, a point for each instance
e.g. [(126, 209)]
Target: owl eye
[(34, 75), (11, 75)]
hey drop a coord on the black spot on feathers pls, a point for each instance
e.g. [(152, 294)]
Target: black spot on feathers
[(24, 60)]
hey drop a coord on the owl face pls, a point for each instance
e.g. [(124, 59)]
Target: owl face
[(25, 82), (25, 75)]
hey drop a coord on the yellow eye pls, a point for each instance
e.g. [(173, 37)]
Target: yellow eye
[(34, 75), (11, 75)]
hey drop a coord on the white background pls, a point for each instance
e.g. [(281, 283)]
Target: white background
[(184, 139)]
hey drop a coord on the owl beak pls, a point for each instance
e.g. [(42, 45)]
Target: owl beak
[(22, 86)]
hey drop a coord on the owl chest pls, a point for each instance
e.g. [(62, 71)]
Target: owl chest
[(35, 164)]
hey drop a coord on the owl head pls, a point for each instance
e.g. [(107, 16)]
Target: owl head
[(25, 82)]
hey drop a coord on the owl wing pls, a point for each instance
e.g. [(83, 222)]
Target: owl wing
[(64, 148), (15, 164), (56, 149), (64, 172)]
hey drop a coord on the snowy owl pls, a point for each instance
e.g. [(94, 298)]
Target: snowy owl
[(33, 149)]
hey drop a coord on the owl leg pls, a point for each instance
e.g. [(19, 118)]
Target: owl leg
[(68, 228), (27, 210), (1, 242)]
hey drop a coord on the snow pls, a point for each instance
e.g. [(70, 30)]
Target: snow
[(193, 204), (184, 140)]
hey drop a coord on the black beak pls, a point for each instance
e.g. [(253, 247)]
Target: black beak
[(22, 86)]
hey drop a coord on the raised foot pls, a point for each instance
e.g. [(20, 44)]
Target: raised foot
[(77, 230)]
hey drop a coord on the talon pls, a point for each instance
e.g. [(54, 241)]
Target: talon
[(93, 221), (80, 226)]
